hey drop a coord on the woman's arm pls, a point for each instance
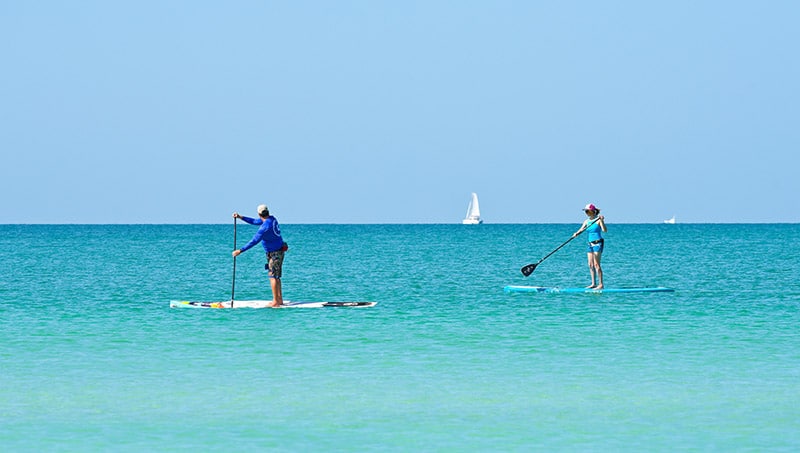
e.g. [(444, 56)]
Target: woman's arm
[(580, 230)]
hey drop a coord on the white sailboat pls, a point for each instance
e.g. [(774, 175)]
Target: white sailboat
[(670, 221), (473, 212)]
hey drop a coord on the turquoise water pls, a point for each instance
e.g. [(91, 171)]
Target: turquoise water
[(94, 360)]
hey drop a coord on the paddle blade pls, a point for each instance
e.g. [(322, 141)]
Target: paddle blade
[(528, 270)]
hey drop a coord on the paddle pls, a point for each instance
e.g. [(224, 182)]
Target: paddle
[(528, 269), (233, 283)]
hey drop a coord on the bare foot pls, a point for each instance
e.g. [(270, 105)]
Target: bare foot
[(598, 287)]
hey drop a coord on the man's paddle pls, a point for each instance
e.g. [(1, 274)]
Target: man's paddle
[(233, 283), (528, 269)]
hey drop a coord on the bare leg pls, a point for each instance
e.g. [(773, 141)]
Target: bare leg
[(591, 269), (599, 270), (277, 292)]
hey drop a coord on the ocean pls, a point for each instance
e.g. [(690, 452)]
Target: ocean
[(93, 358)]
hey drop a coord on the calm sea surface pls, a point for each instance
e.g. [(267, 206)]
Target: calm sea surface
[(93, 358)]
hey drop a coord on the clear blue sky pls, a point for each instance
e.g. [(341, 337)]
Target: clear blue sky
[(394, 111)]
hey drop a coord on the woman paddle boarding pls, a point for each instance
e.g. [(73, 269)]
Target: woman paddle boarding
[(595, 226)]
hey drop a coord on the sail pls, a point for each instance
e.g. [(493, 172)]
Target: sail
[(473, 211)]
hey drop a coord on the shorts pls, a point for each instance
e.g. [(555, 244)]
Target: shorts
[(596, 246), (274, 264)]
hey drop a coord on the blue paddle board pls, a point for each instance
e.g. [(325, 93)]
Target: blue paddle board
[(545, 289)]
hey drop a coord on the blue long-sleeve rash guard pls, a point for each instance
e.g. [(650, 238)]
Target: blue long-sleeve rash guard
[(269, 234)]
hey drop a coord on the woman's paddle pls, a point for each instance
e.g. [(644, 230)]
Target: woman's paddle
[(233, 283), (528, 270)]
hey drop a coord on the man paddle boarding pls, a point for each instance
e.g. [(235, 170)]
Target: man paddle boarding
[(269, 235), (595, 226)]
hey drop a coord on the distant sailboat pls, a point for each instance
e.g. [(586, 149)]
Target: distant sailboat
[(670, 221), (473, 212)]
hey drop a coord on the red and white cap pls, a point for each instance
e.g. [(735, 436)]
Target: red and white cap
[(590, 207)]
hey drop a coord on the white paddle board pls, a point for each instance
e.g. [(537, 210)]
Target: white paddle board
[(265, 304)]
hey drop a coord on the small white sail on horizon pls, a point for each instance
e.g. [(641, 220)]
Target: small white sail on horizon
[(670, 221), (473, 212)]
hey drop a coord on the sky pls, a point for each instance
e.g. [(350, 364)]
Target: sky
[(395, 111)]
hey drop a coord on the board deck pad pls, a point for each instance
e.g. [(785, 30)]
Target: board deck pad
[(555, 290), (265, 304)]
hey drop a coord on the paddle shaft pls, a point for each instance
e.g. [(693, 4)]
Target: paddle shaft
[(528, 269), (557, 249), (233, 282)]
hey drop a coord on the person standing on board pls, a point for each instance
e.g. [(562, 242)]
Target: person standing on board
[(269, 235), (595, 226)]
